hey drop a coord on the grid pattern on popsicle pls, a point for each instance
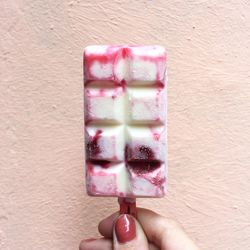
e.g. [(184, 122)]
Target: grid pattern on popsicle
[(125, 120)]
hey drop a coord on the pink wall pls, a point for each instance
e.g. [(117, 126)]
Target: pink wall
[(43, 204)]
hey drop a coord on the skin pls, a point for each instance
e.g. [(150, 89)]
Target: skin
[(153, 232)]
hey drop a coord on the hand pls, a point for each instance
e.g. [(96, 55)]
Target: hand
[(149, 232)]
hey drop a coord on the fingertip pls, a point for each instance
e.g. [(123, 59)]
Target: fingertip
[(105, 226), (128, 234), (125, 228), (146, 212)]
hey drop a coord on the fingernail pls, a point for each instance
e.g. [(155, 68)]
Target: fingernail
[(125, 228)]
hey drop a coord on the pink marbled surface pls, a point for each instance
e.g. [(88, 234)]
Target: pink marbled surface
[(42, 199), (125, 157)]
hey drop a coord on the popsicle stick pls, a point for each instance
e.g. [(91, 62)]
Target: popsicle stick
[(127, 206)]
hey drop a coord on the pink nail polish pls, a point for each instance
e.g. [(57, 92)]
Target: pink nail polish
[(125, 228)]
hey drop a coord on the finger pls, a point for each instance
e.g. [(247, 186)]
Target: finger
[(96, 244), (128, 234), (105, 227), (163, 232)]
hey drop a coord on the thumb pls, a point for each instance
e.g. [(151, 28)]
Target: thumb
[(128, 234)]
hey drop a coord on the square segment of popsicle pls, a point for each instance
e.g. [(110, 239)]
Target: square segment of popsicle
[(125, 120)]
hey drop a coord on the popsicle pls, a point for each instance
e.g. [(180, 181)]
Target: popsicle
[(125, 120)]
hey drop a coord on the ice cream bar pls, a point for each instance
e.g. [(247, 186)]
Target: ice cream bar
[(125, 120)]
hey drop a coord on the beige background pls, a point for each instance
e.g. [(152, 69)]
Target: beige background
[(43, 204)]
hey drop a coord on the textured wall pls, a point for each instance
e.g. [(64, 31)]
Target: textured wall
[(42, 200)]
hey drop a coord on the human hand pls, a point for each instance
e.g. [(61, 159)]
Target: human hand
[(149, 231)]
